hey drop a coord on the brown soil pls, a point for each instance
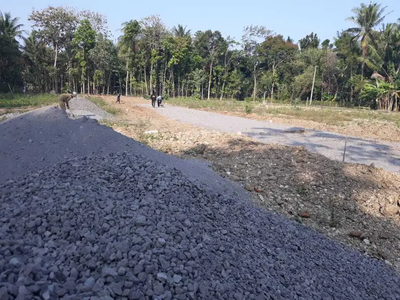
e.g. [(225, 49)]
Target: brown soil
[(356, 205)]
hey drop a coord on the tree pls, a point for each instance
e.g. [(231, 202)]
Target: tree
[(251, 39), (366, 19), (9, 27), (10, 55), (154, 32), (311, 41), (180, 31), (84, 40), (105, 59), (56, 26), (276, 51), (131, 33)]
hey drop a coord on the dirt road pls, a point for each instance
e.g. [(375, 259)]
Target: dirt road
[(383, 154)]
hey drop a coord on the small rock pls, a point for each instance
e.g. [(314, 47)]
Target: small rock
[(248, 187), (177, 278), (390, 210), (109, 272), (141, 220), (135, 295), (3, 293), (15, 262), (161, 241), (121, 271), (46, 295), (137, 269), (305, 214), (88, 285), (162, 276), (367, 242), (355, 234)]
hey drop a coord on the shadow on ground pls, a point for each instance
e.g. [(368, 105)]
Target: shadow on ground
[(331, 145), (335, 199)]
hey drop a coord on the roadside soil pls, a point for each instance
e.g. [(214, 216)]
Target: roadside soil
[(356, 205)]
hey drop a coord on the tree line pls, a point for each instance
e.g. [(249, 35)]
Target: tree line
[(68, 50)]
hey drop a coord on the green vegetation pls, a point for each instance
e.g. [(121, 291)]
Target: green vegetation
[(10, 101), (69, 50)]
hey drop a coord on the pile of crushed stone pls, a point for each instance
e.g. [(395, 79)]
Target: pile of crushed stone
[(82, 107), (46, 137), (125, 227), (86, 213)]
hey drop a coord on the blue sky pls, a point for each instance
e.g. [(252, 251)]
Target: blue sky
[(289, 18)]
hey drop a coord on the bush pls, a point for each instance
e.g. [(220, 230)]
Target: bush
[(248, 108)]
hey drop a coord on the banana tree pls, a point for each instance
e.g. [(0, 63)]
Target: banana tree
[(384, 95)]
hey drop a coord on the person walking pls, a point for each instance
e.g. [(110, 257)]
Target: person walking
[(118, 98), (153, 100), (159, 101)]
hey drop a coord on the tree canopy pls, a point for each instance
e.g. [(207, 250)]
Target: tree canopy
[(69, 50)]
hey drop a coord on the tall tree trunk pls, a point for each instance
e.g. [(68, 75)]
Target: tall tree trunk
[(255, 82), (130, 83), (172, 79), (145, 81), (126, 83), (55, 68), (222, 90), (273, 83), (178, 86), (151, 77), (108, 83), (313, 84), (209, 79)]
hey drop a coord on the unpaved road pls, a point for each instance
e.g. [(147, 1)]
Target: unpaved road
[(362, 151)]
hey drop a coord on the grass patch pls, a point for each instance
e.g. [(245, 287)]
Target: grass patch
[(320, 114), (10, 101), (104, 105)]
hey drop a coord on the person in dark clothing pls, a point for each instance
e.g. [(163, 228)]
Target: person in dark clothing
[(118, 98), (159, 100), (153, 100)]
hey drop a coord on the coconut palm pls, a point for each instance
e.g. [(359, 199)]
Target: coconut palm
[(9, 26), (366, 18), (180, 31)]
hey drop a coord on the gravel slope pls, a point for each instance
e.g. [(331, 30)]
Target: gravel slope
[(125, 227), (383, 154), (45, 137), (86, 223)]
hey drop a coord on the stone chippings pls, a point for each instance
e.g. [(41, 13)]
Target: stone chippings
[(121, 226), (83, 104)]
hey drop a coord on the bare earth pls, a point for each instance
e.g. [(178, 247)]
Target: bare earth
[(357, 205)]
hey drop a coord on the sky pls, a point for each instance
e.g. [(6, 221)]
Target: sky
[(288, 18)]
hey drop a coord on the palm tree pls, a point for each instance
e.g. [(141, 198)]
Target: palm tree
[(366, 18), (180, 31), (9, 27)]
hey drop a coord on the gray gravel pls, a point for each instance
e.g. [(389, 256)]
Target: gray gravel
[(125, 227), (45, 137), (81, 107), (86, 223), (383, 154)]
